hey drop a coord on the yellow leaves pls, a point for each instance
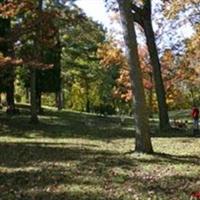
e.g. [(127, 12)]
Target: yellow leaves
[(110, 55), (167, 57), (172, 7), (66, 37), (173, 96)]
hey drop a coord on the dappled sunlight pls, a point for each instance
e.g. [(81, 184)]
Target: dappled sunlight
[(19, 169), (92, 169), (68, 161), (87, 115)]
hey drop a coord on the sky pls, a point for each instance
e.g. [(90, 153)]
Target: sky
[(95, 9)]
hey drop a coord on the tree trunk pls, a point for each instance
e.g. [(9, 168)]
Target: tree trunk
[(34, 117), (87, 105), (39, 102), (59, 92), (1, 106), (142, 137), (9, 51), (37, 52), (87, 96), (27, 95), (59, 100), (150, 97), (10, 97), (159, 86)]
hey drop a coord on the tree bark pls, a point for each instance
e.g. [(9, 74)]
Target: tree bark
[(34, 117), (39, 102), (150, 100), (143, 17), (142, 137), (157, 74), (9, 51), (87, 96), (37, 52), (59, 100), (27, 95), (10, 97)]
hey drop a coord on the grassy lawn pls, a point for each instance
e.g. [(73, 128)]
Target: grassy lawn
[(73, 156)]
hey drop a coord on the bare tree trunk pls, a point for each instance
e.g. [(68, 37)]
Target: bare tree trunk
[(159, 86), (87, 96), (143, 141), (10, 97), (151, 96), (27, 95), (59, 100), (1, 106), (9, 51), (34, 117), (143, 17), (39, 102)]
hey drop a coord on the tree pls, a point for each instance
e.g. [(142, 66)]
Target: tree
[(114, 65), (34, 29), (143, 142), (143, 16), (188, 14), (80, 64), (7, 76)]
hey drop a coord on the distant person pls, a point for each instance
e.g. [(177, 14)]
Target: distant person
[(195, 116)]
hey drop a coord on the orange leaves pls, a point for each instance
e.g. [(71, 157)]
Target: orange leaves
[(110, 55), (11, 8), (34, 25), (8, 61), (38, 65), (8, 9)]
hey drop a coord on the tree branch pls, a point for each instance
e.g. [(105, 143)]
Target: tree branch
[(135, 8), (147, 5), (137, 18)]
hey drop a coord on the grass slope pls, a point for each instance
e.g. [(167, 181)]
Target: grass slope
[(74, 156)]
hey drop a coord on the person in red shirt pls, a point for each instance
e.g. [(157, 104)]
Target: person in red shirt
[(195, 116)]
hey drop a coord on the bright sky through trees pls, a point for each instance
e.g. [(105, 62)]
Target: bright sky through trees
[(95, 9)]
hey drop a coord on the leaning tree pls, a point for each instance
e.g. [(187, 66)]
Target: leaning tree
[(143, 141)]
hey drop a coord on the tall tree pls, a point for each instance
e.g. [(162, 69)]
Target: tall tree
[(34, 117), (8, 74), (80, 63), (143, 141), (143, 16)]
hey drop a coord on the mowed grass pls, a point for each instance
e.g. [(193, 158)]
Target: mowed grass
[(74, 156)]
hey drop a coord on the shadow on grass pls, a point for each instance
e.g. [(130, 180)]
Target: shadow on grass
[(64, 128), (68, 124), (25, 154), (173, 159), (48, 171)]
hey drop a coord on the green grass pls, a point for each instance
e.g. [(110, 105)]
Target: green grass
[(74, 156)]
